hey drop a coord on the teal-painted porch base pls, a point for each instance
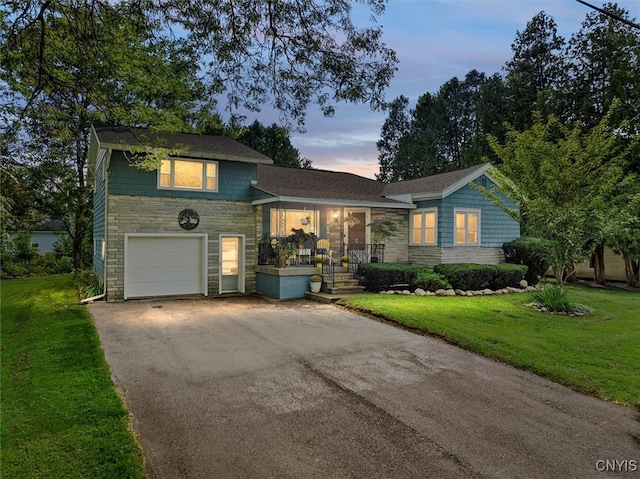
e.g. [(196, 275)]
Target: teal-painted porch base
[(284, 283)]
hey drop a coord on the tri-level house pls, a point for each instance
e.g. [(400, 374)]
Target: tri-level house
[(210, 221)]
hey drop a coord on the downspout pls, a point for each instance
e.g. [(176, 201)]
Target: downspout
[(106, 203)]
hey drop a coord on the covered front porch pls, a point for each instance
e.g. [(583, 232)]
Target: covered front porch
[(300, 240)]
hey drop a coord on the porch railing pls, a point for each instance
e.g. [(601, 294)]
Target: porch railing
[(357, 253), (363, 253)]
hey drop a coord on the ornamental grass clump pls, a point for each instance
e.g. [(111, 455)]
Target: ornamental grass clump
[(556, 300)]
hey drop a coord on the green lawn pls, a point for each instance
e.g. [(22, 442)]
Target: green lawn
[(61, 414), (599, 355)]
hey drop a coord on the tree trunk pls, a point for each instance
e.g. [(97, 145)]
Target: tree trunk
[(599, 276), (632, 271)]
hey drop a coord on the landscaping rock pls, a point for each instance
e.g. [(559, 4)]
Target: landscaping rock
[(441, 292), (406, 292), (524, 284), (420, 292), (450, 292), (487, 292), (459, 292)]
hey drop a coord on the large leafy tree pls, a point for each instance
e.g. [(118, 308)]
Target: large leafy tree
[(163, 64), (624, 235), (285, 53), (604, 69), (562, 178)]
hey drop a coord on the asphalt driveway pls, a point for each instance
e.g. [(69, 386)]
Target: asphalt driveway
[(251, 388)]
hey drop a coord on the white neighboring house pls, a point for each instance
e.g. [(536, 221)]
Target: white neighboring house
[(43, 236)]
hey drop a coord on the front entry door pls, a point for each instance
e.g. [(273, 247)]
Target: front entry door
[(357, 234), (231, 263)]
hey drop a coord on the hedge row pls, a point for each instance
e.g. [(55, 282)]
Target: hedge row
[(469, 276), (531, 252), (381, 276)]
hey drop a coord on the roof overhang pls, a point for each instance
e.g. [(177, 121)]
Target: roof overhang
[(438, 195), (333, 202), (95, 145), (188, 153)]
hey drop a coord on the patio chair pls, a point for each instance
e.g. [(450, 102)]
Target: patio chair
[(323, 248)]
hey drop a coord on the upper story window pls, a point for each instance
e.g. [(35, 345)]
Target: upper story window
[(424, 226), (467, 227), (179, 174)]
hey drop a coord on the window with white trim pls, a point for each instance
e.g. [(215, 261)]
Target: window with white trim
[(98, 248), (467, 227), (424, 226), (181, 174)]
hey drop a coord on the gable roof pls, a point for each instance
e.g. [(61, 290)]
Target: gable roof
[(306, 185), (435, 186), (213, 147)]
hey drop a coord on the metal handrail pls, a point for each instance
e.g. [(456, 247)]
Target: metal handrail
[(363, 253)]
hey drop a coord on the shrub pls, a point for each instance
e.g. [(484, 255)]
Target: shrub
[(470, 276), (428, 280), (316, 278), (63, 246), (531, 252), (379, 276), (14, 270), (63, 265), (89, 284), (24, 252)]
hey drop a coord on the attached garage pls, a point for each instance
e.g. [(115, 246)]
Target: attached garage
[(165, 265)]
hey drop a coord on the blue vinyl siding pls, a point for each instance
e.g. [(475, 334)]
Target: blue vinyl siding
[(496, 226), (98, 216), (234, 181)]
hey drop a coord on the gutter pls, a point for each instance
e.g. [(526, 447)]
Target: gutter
[(93, 298), (104, 272)]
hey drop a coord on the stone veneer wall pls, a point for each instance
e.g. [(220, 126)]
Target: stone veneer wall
[(396, 248), (433, 255), (428, 255), (472, 254), (145, 214)]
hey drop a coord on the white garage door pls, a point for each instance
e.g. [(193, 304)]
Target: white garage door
[(165, 265)]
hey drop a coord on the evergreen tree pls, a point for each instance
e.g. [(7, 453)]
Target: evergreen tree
[(395, 127), (536, 71), (274, 142)]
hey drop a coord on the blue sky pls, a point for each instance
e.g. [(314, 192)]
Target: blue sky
[(435, 40)]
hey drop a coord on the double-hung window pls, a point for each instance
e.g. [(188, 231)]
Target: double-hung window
[(180, 174), (424, 226), (467, 227)]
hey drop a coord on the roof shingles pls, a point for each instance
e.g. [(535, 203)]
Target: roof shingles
[(308, 183), (193, 144)]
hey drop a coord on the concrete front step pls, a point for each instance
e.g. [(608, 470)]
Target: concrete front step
[(346, 290)]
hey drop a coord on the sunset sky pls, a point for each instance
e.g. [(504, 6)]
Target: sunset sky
[(435, 40)]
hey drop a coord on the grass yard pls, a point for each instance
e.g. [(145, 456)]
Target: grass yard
[(61, 414), (599, 355)]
